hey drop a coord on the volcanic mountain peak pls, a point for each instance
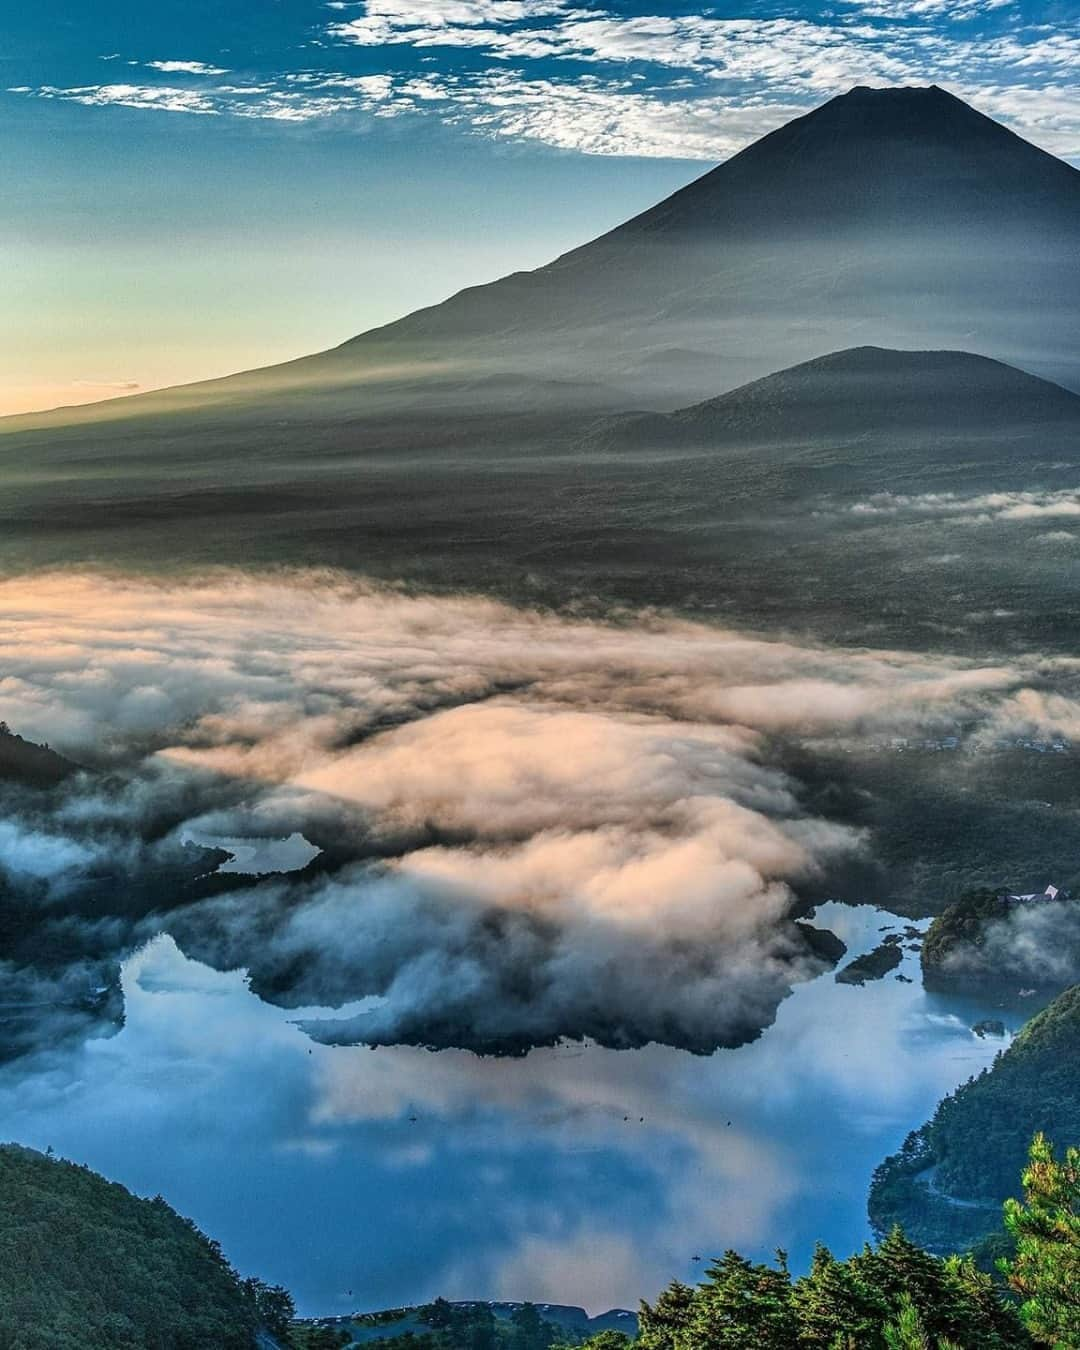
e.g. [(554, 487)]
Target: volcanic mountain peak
[(927, 111), (898, 213), (894, 158)]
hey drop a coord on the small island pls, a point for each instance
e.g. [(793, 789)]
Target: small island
[(873, 965)]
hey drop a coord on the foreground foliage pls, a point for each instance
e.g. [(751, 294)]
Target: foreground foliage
[(896, 1297), (1045, 1271)]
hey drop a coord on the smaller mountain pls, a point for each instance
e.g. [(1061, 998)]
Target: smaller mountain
[(29, 764), (501, 1325), (857, 394)]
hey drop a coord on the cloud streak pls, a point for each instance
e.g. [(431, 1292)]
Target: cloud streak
[(186, 68), (975, 508)]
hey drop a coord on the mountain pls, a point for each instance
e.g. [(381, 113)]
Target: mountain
[(901, 217), (900, 214), (571, 1324), (862, 394)]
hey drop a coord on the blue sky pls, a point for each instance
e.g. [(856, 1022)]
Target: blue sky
[(197, 187)]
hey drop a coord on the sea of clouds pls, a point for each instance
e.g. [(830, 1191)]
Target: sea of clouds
[(533, 825)]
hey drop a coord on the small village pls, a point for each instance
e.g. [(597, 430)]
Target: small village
[(974, 745), (1051, 892)]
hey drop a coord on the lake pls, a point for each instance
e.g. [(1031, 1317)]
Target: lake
[(364, 1178), (253, 856)]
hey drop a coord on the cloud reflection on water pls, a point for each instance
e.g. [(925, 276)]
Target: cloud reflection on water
[(574, 1174)]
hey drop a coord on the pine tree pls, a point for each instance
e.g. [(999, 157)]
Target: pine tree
[(907, 1332), (665, 1324), (1046, 1228), (833, 1302), (741, 1304)]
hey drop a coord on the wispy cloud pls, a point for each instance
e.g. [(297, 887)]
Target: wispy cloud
[(793, 51), (123, 386), (976, 508), (186, 68), (586, 78), (161, 97), (956, 10)]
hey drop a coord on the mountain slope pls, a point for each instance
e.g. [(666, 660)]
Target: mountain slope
[(868, 176), (86, 1264), (898, 217)]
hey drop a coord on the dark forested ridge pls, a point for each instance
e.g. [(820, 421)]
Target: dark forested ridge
[(85, 1265), (469, 1325), (21, 761), (870, 394), (947, 1184)]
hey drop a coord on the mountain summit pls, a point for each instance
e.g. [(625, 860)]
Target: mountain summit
[(916, 157)]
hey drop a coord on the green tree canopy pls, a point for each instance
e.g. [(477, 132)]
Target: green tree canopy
[(1046, 1228)]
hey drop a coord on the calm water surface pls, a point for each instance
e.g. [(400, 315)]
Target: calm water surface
[(365, 1178)]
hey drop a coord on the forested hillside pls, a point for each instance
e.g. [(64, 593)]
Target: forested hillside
[(947, 1184), (85, 1265)]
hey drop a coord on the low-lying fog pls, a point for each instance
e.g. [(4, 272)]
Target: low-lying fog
[(530, 826)]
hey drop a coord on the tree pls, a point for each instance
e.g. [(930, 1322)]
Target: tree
[(741, 1303), (665, 1324), (907, 1332), (834, 1304), (609, 1339), (1046, 1228), (529, 1330), (274, 1307)]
